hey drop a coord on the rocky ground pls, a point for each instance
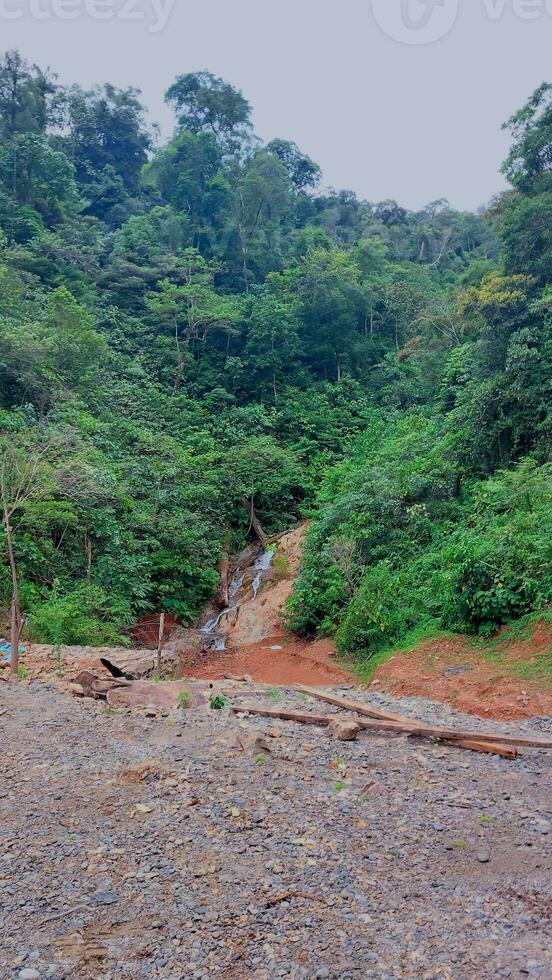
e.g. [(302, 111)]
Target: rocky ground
[(179, 846)]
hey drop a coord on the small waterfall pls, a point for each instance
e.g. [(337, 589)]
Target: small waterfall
[(236, 584), (213, 621), (261, 567), (258, 569)]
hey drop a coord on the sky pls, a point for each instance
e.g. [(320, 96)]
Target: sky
[(398, 99)]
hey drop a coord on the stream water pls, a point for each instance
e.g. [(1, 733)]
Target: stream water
[(246, 582)]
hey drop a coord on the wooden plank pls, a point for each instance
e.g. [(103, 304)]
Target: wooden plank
[(403, 728), (495, 748), (491, 748), (367, 710), (300, 716)]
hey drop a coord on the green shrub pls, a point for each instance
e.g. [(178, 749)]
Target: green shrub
[(502, 557), (217, 702), (387, 606), (84, 617), (184, 699), (394, 554)]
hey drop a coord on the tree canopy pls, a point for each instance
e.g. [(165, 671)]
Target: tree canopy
[(196, 329)]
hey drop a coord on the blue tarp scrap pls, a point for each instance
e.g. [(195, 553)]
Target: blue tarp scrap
[(5, 652)]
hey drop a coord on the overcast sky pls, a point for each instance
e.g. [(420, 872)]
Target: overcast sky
[(381, 117)]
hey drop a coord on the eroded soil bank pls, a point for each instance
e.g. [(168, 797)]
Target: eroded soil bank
[(492, 680)]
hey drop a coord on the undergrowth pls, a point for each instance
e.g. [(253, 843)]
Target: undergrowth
[(366, 668)]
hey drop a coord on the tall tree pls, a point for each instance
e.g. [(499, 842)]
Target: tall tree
[(530, 158), (205, 103), (192, 310), (24, 477), (18, 109), (105, 137), (303, 172)]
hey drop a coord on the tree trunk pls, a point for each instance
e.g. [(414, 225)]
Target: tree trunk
[(88, 558), (15, 633), (222, 597), (254, 522), (16, 623)]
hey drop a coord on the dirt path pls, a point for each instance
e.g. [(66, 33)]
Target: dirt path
[(136, 848), (278, 659)]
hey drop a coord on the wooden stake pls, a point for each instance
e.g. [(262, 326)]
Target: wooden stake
[(160, 642)]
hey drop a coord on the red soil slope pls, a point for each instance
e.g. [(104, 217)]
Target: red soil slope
[(489, 689)]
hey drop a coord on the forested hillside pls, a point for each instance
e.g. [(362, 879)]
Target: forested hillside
[(194, 333)]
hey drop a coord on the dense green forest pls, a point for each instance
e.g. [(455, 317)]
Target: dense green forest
[(193, 330)]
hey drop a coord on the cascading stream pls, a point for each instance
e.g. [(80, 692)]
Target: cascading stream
[(258, 570)]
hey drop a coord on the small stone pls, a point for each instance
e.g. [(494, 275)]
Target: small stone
[(483, 857), (343, 731), (28, 974), (104, 898)]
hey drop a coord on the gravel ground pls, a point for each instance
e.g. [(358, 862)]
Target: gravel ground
[(136, 847)]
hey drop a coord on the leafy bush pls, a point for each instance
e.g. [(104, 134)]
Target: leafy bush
[(469, 564), (385, 608), (84, 617), (502, 557)]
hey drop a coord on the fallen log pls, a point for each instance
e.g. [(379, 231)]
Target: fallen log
[(403, 728), (115, 671), (491, 748), (137, 664), (76, 689), (254, 522), (138, 695), (118, 692)]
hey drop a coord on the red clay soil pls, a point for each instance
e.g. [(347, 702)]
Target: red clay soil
[(145, 633), (488, 689), (277, 660)]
